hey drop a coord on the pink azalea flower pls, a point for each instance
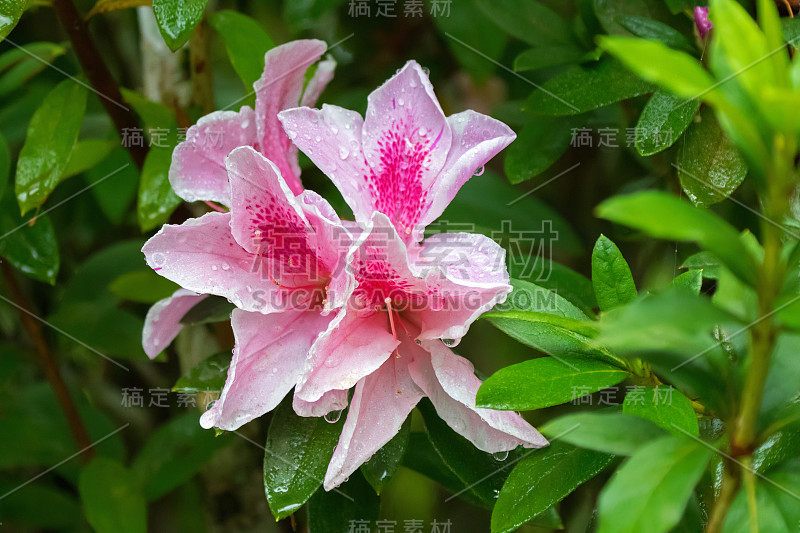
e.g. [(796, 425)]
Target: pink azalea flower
[(198, 171), (398, 170), (274, 256), (198, 164)]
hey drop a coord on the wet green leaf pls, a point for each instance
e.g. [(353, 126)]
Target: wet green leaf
[(382, 466), (665, 406), (207, 376), (246, 43), (177, 18), (663, 121), (610, 432), (30, 248), (611, 276)]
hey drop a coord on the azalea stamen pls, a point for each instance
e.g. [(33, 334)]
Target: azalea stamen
[(215, 207), (391, 317)]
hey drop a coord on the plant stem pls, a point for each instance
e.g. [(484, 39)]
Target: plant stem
[(47, 361), (98, 74), (727, 493)]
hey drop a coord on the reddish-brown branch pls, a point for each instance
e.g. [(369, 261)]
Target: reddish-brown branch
[(47, 360), (123, 117)]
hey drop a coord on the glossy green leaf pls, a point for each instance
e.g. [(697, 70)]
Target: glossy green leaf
[(564, 281), (177, 18), (586, 87), (665, 216), (17, 66), (31, 249), (174, 453), (609, 432), (341, 508), (704, 261), (665, 406), (676, 71), (10, 13), (112, 498), (144, 286), (539, 144), (382, 466), (544, 382), (650, 491), (663, 121), (532, 22), (86, 154), (481, 474), (298, 451), (611, 277), (542, 479), (779, 447), (609, 12), (692, 281), (647, 28), (246, 43), (709, 165), (156, 200), (52, 134), (207, 376)]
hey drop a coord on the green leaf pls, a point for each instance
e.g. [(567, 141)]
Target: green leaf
[(156, 200), (650, 491), (481, 474), (544, 382), (611, 277), (776, 503), (52, 134), (382, 466), (654, 61), (542, 479), (692, 281), (547, 56), (539, 144), (208, 310), (207, 376), (340, 509), (574, 287), (112, 498), (532, 22), (608, 12), (246, 43), (144, 286), (114, 182), (781, 446), (85, 155), (647, 28), (614, 433), (298, 451), (586, 87), (31, 249), (705, 261), (663, 121), (709, 165), (10, 13), (174, 453), (664, 216), (176, 19), (23, 508), (17, 66), (665, 406)]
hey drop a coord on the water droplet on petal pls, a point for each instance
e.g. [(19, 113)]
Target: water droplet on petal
[(343, 153), (500, 456), (400, 101), (479, 171), (333, 416), (423, 131), (449, 342)]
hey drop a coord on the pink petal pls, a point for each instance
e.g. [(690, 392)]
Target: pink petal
[(466, 277), (331, 138), (450, 383), (280, 88), (321, 78), (267, 360), (352, 347), (380, 405), (202, 256), (163, 321), (477, 138), (333, 400), (197, 172)]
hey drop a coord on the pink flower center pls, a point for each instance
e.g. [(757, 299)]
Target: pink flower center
[(282, 242), (396, 184)]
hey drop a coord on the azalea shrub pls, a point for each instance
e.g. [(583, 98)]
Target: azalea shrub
[(354, 266)]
